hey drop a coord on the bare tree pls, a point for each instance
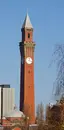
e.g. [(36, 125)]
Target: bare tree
[(48, 114), (39, 112), (53, 117), (58, 58)]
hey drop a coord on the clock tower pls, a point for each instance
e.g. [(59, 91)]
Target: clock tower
[(27, 97)]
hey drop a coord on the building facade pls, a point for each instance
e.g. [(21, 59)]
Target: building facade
[(27, 97), (7, 99)]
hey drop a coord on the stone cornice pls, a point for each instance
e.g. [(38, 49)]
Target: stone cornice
[(27, 44)]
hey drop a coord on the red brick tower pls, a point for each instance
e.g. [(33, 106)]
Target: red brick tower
[(27, 104)]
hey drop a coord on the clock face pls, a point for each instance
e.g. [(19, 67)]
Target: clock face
[(29, 60)]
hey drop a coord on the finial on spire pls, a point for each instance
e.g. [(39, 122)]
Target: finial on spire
[(27, 23)]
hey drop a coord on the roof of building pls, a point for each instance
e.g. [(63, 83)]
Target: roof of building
[(27, 23), (5, 85), (15, 113)]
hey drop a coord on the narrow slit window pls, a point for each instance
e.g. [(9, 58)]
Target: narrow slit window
[(28, 35), (28, 71)]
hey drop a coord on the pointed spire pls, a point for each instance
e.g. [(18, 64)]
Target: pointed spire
[(27, 23)]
